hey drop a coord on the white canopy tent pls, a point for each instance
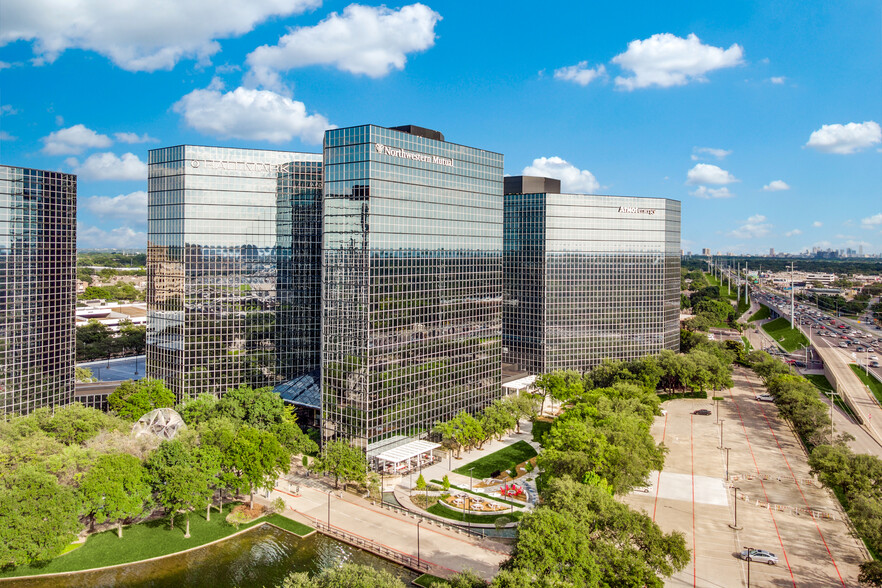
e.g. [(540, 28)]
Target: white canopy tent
[(407, 456), (524, 383)]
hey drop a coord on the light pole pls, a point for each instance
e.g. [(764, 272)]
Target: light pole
[(469, 499), (418, 541), (382, 487), (749, 550), (136, 365), (721, 433), (735, 526), (329, 509), (727, 463)]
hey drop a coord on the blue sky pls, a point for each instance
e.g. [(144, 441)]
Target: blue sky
[(763, 118)]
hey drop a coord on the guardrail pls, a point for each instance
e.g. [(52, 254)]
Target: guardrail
[(372, 546)]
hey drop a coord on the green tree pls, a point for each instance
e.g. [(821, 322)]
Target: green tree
[(348, 575), (115, 489), (525, 407), (133, 399), (82, 374), (74, 423), (498, 418), (445, 483), (38, 516), (257, 458), (343, 461), (264, 409), (871, 573), (561, 385)]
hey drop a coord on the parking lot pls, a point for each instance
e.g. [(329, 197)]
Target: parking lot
[(779, 507)]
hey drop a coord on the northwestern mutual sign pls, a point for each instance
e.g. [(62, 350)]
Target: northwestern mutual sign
[(635, 210), (396, 152)]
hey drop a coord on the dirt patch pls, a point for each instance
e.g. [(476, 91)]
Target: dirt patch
[(248, 514)]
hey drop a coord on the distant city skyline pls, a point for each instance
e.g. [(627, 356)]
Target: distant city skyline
[(767, 128)]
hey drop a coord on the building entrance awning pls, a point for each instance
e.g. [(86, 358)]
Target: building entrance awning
[(408, 451), (520, 384)]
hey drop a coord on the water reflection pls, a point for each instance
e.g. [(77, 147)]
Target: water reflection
[(261, 557)]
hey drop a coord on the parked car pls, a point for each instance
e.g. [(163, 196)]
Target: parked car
[(760, 555), (702, 411), (765, 398)]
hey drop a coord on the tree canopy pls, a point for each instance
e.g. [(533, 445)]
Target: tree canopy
[(134, 398)]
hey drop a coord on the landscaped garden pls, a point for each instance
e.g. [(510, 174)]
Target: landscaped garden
[(762, 314), (147, 540), (498, 462), (790, 339)]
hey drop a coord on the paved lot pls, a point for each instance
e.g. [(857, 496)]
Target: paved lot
[(769, 468)]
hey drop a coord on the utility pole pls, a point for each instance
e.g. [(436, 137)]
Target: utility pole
[(737, 283), (746, 277), (791, 295)]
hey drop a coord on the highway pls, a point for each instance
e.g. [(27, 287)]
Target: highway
[(838, 347)]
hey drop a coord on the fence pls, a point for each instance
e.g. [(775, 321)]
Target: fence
[(379, 549)]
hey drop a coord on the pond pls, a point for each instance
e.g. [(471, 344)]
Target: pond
[(260, 557)]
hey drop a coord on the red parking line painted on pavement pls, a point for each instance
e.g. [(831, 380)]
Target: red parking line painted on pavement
[(692, 465), (799, 487), (658, 481), (756, 467)]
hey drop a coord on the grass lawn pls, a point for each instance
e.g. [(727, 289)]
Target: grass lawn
[(823, 384), (724, 290), (874, 384), (438, 509), (141, 541), (747, 346), (502, 460), (428, 581), (540, 428), (790, 339), (762, 314), (298, 529)]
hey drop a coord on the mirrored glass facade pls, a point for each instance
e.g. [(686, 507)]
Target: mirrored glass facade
[(233, 267), (589, 277), (37, 288), (412, 293)]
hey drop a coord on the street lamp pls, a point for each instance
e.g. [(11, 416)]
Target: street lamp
[(721, 432), (735, 526), (727, 463), (469, 499), (329, 509), (749, 550), (418, 541)]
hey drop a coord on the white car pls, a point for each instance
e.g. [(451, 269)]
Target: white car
[(765, 398), (760, 555)]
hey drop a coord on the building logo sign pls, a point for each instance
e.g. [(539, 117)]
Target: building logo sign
[(246, 166), (635, 210), (403, 154)]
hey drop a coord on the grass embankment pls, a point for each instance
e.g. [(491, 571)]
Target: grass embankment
[(762, 314), (823, 384), (790, 339), (145, 541), (498, 461), (441, 510), (429, 581), (747, 346), (874, 384), (740, 307)]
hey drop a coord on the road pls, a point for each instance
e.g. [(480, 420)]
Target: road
[(827, 342)]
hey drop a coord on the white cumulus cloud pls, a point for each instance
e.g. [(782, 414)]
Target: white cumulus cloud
[(665, 60), (700, 153), (572, 179), (776, 186), (793, 233), (134, 138), (74, 140), (137, 35), (709, 193), (753, 227), (4, 136), (845, 139), (108, 166), (777, 79), (363, 40), (132, 206), (817, 224), (705, 173), (90, 237), (260, 115), (872, 222), (580, 73)]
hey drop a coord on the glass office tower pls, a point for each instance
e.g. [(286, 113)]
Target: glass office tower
[(412, 283), (37, 288), (588, 278), (233, 267)]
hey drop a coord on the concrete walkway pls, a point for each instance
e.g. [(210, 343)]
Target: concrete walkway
[(448, 550)]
